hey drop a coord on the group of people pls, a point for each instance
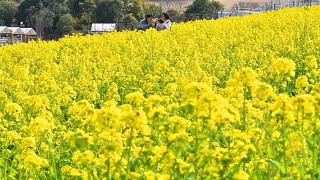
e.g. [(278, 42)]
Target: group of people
[(158, 24)]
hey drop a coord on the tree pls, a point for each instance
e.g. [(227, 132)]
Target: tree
[(105, 11), (43, 19), (109, 11), (27, 10), (59, 8), (36, 14), (151, 8), (87, 7), (201, 9), (74, 6), (129, 22), (65, 24), (175, 16), (135, 8), (86, 16), (8, 10), (42, 15)]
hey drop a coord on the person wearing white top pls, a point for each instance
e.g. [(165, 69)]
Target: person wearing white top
[(167, 21), (161, 25)]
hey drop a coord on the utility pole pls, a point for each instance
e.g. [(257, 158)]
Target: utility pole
[(272, 5), (280, 3)]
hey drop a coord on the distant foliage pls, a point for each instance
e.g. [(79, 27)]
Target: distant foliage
[(203, 9), (47, 17), (8, 10)]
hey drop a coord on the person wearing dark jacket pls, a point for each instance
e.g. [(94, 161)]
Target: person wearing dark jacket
[(147, 23)]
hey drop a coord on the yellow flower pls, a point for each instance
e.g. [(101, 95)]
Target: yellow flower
[(82, 112), (32, 161), (159, 151), (301, 84), (45, 147), (311, 63), (13, 109), (282, 68), (170, 89), (305, 104), (153, 100), (195, 90), (83, 158), (246, 77), (13, 136), (276, 134), (39, 126), (149, 175), (241, 175), (135, 98), (164, 177), (184, 166), (263, 91), (158, 112), (66, 169), (145, 130), (28, 142), (79, 138), (135, 119), (75, 172)]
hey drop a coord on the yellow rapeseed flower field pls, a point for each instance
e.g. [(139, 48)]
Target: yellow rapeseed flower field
[(234, 98)]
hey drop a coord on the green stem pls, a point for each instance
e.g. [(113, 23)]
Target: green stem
[(54, 161), (196, 153), (302, 140), (284, 145), (129, 153), (244, 113), (108, 168), (6, 157), (315, 152), (213, 136), (296, 158)]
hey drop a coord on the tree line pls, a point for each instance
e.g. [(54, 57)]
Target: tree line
[(55, 18)]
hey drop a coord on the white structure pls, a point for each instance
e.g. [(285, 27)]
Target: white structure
[(4, 30), (29, 32), (15, 30), (4, 35), (16, 34), (9, 35), (102, 27)]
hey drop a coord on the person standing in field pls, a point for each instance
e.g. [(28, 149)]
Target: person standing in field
[(167, 21), (148, 22), (160, 25)]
